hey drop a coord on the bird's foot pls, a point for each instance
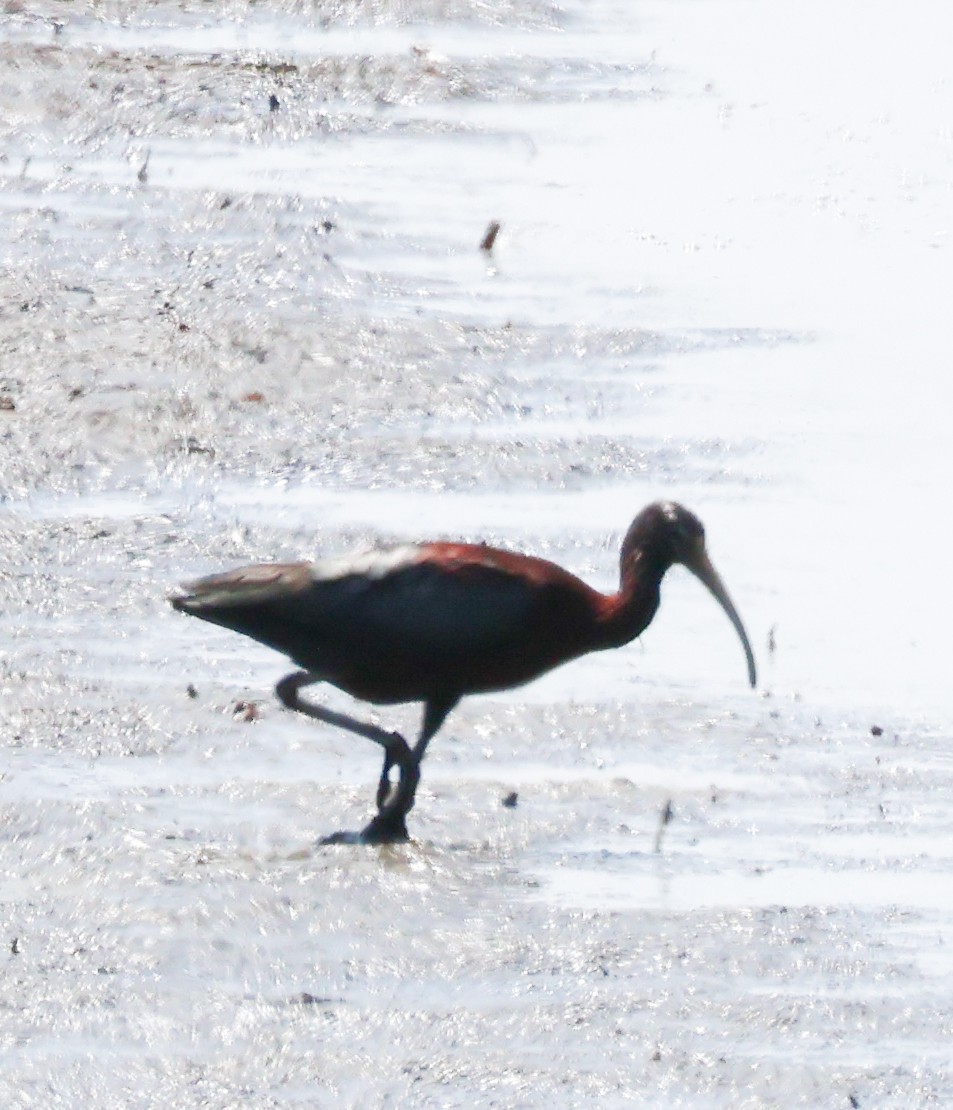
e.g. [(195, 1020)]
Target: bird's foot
[(385, 828), (341, 838)]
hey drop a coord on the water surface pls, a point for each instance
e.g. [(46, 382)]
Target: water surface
[(246, 319)]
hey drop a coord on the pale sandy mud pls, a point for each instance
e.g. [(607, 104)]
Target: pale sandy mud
[(204, 365)]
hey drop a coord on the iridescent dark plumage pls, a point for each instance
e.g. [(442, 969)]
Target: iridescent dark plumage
[(435, 622)]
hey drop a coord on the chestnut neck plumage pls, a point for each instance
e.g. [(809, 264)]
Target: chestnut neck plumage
[(629, 612)]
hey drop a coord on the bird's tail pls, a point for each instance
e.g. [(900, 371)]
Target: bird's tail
[(237, 588)]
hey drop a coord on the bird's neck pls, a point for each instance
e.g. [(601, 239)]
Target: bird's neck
[(629, 612)]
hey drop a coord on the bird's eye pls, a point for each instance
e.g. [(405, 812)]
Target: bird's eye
[(690, 531)]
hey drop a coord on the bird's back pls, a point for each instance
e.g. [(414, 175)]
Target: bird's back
[(406, 623)]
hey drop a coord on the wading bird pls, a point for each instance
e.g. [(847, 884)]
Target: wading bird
[(435, 622)]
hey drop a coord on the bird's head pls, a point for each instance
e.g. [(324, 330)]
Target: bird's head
[(665, 533)]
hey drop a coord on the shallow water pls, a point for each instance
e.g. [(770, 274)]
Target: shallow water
[(231, 333)]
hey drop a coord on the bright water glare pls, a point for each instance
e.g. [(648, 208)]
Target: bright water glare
[(247, 319)]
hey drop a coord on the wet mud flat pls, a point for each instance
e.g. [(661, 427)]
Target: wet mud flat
[(227, 337)]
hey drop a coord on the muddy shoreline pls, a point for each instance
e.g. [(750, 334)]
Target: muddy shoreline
[(245, 317)]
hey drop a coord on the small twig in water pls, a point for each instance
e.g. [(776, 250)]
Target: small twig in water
[(668, 812), (493, 229)]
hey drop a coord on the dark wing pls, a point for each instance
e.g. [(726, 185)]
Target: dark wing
[(398, 625)]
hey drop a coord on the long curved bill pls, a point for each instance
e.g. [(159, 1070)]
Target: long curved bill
[(701, 567)]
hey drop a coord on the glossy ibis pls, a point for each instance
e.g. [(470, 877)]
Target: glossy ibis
[(435, 622)]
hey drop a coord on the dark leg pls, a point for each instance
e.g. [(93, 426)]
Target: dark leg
[(390, 824), (397, 750), (435, 713), (287, 690), (384, 785), (393, 804)]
